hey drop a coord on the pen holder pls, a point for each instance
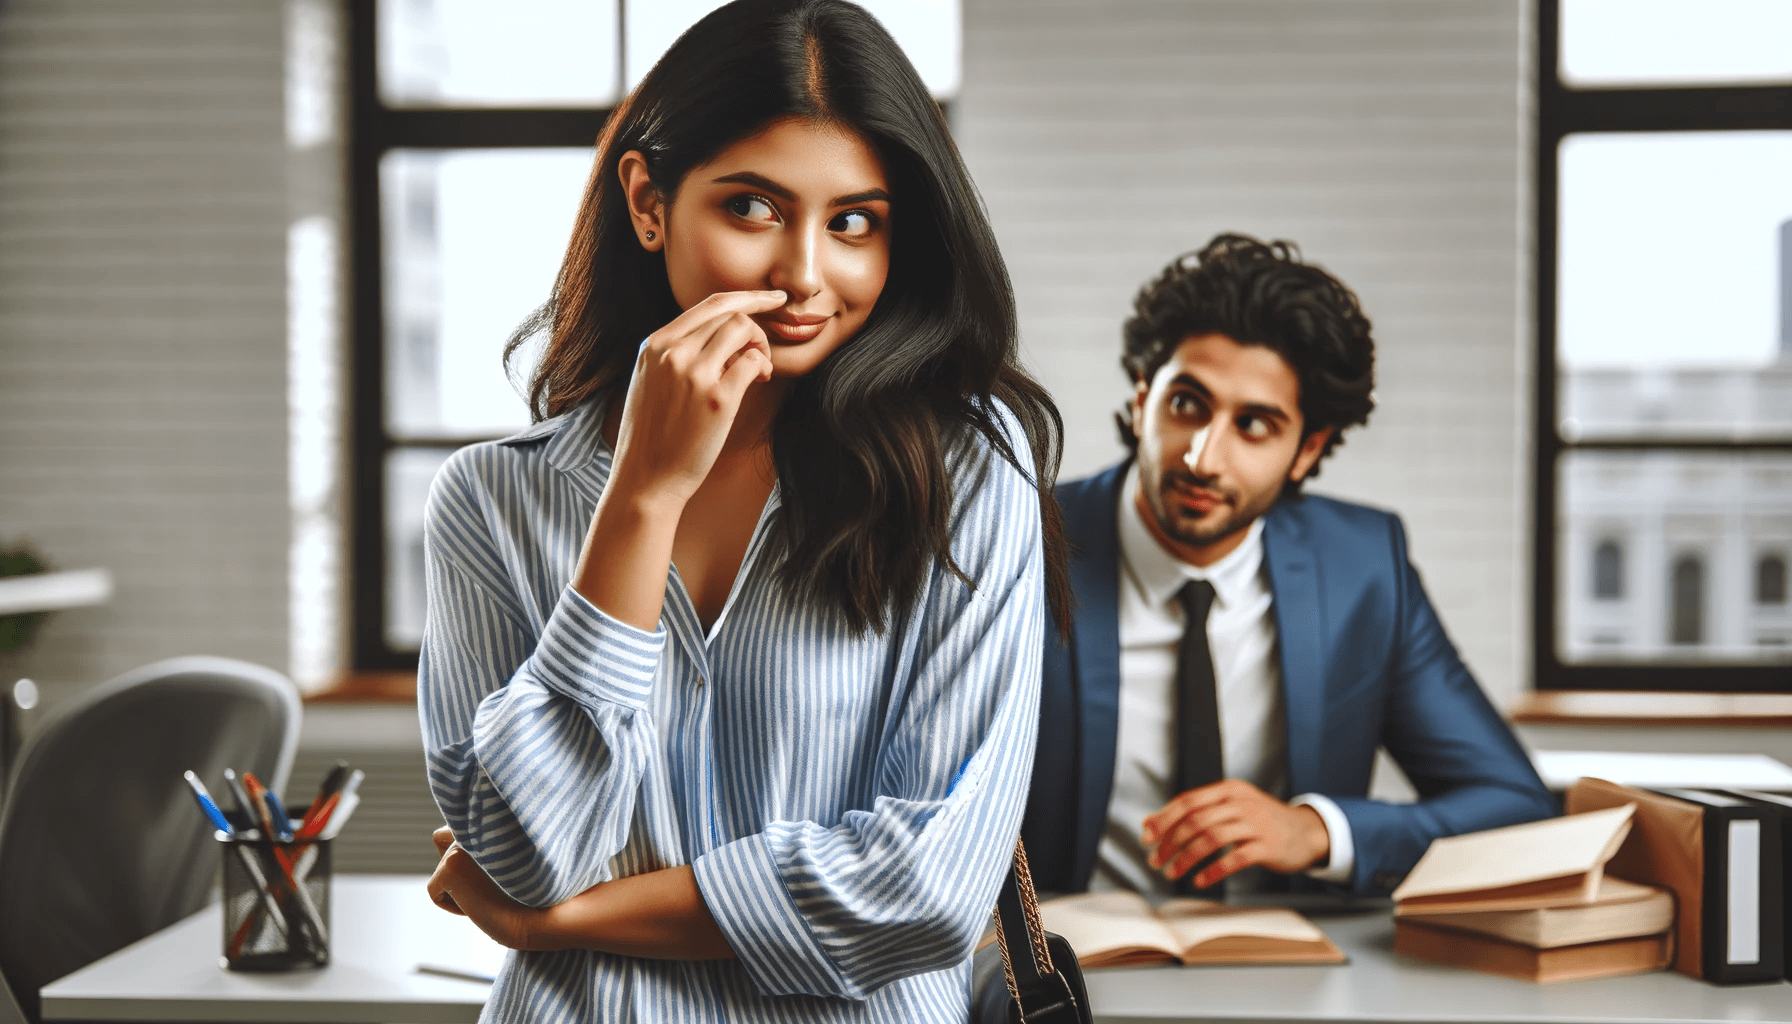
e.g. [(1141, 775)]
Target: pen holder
[(276, 903)]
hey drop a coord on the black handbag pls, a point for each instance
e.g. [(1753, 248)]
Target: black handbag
[(1040, 981)]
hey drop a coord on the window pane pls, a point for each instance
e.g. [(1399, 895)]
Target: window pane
[(472, 240), (929, 32), (1693, 529), (1674, 312), (1609, 43), (409, 472), (520, 53)]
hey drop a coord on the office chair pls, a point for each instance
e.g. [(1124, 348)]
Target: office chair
[(101, 842)]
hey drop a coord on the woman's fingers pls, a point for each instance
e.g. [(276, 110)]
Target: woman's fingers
[(750, 365), (695, 325), (441, 882), (734, 334), (443, 838)]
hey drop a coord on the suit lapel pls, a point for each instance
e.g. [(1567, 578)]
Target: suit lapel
[(1300, 632), (1089, 520)]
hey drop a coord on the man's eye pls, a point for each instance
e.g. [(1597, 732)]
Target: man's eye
[(752, 208), (1186, 405), (852, 224), (1253, 426)]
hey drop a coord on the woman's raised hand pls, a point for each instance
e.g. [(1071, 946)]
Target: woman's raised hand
[(687, 387)]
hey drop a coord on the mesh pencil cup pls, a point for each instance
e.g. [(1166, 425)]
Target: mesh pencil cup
[(276, 903)]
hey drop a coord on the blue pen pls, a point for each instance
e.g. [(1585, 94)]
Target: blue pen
[(282, 823), (208, 805)]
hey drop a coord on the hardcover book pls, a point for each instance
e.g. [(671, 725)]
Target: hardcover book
[(1417, 938)]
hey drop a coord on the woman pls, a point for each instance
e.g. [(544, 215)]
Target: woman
[(730, 679)]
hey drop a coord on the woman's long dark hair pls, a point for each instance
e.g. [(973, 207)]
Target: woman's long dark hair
[(860, 444)]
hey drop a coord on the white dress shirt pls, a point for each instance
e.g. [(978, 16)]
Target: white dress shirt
[(1241, 633)]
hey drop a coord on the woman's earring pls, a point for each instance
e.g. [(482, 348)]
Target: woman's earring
[(650, 236)]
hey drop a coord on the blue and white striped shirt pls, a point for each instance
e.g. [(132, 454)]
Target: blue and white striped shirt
[(848, 801)]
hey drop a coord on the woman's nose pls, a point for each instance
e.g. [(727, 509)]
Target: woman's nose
[(796, 270)]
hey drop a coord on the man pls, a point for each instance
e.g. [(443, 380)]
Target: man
[(1235, 641)]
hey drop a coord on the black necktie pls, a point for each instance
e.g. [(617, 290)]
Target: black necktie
[(1198, 758)]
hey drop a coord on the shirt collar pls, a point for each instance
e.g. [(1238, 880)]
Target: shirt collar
[(1158, 575)]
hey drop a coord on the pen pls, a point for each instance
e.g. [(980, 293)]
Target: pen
[(345, 805), (344, 808), (328, 820), (208, 805), (241, 796), (258, 807), (328, 792), (276, 811), (333, 780)]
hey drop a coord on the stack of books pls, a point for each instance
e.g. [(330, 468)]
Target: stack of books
[(1533, 902)]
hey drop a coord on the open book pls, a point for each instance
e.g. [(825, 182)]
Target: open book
[(1556, 862), (1114, 929)]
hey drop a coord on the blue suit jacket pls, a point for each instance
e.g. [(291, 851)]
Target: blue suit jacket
[(1364, 662)]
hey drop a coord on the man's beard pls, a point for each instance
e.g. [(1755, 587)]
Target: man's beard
[(1240, 512)]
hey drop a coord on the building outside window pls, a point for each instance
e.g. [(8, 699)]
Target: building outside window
[(1665, 342)]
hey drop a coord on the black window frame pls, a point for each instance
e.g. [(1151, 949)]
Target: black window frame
[(374, 130), (1562, 111)]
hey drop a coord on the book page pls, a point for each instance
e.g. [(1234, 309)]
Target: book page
[(1193, 922), (1571, 847), (1099, 923)]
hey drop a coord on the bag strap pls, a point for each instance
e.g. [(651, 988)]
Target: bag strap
[(1036, 987)]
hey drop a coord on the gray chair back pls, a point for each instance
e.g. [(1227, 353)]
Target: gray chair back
[(101, 842)]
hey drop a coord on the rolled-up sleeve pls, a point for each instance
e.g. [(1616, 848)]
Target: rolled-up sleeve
[(509, 715)]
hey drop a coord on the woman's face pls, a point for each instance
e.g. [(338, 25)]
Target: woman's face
[(802, 207)]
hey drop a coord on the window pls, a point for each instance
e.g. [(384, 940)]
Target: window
[(472, 131), (1687, 618), (1664, 327), (1770, 580), (1608, 571)]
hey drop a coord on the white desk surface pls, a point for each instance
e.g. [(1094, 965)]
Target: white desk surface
[(384, 927), (1379, 987)]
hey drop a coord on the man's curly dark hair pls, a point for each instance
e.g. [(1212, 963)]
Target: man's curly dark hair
[(1260, 293)]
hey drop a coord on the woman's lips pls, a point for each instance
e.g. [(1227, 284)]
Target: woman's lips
[(792, 328)]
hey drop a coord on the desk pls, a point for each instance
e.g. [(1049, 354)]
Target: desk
[(1378, 987), (384, 928)]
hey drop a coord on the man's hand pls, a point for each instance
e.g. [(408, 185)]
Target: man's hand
[(1259, 828), (461, 886)]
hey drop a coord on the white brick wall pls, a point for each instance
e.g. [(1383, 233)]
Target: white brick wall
[(1384, 136), (143, 204), (142, 323)]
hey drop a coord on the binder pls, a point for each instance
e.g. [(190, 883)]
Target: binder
[(1743, 926), (1668, 847), (1781, 803)]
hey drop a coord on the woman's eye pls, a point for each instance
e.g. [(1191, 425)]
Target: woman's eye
[(752, 208), (852, 224)]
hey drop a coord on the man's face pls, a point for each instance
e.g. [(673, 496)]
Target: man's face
[(1219, 431)]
